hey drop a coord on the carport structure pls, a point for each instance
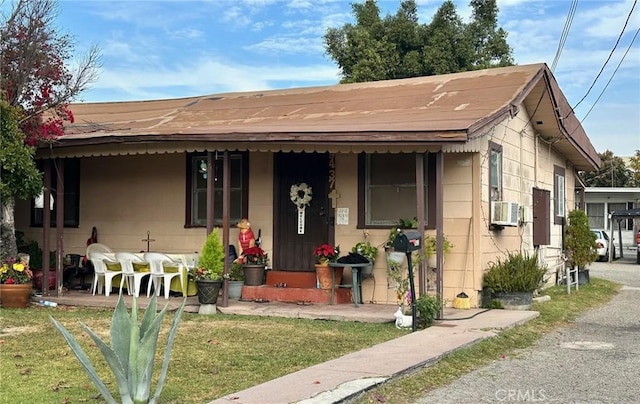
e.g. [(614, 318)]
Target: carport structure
[(618, 216)]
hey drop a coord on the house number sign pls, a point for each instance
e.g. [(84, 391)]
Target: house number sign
[(300, 195)]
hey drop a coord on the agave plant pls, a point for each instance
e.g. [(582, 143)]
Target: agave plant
[(131, 353)]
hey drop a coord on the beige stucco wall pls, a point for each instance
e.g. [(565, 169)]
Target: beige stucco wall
[(528, 162), (126, 196), (458, 209)]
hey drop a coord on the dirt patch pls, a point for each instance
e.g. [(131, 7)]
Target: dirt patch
[(17, 330)]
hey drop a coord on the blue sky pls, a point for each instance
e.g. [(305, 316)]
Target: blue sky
[(167, 49)]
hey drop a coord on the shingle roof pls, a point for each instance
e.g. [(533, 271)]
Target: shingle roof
[(422, 110)]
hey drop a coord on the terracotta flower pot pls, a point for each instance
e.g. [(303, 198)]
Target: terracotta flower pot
[(324, 273), (15, 295)]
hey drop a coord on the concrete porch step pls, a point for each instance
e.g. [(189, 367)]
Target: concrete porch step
[(292, 279), (295, 295)]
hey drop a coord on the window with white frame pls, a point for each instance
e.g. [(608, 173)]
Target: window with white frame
[(197, 188), (495, 172), (559, 193)]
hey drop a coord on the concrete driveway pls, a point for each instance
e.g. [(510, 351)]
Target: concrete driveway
[(597, 360)]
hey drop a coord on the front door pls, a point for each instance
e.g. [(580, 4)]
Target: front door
[(294, 237)]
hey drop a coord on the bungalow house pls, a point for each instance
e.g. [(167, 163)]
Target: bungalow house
[(488, 158)]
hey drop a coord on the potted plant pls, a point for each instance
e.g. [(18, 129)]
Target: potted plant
[(325, 254), (34, 252), (254, 262), (513, 280), (580, 244), (430, 249), (208, 273), (370, 252), (236, 280), (367, 250), (394, 258), (398, 279), (15, 283)]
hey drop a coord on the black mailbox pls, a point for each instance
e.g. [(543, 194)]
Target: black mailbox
[(407, 241)]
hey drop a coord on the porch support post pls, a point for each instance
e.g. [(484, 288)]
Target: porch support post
[(420, 209), (439, 227), (46, 226), (619, 238), (210, 192), (59, 164), (226, 208)]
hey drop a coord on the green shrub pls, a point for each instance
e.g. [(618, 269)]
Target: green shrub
[(428, 308), (211, 260), (580, 242), (517, 273), (235, 272)]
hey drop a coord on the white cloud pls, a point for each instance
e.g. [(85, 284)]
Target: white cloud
[(206, 76), (287, 45), (236, 16)]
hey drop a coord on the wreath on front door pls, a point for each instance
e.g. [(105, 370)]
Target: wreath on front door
[(300, 195)]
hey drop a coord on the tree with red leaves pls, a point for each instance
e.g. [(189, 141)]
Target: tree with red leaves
[(36, 81)]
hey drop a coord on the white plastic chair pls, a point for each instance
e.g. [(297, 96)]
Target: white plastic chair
[(97, 247), (157, 262), (126, 260), (100, 261)]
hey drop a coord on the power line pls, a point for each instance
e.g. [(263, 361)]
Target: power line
[(612, 75), (565, 33), (608, 58)]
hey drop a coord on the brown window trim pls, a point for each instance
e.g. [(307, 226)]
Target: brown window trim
[(431, 194), (71, 192), (189, 175)]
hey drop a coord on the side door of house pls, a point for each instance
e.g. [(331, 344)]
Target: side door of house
[(294, 244)]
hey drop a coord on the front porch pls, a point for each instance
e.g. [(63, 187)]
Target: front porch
[(371, 313)]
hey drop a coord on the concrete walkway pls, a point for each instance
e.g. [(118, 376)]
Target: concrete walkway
[(341, 378)]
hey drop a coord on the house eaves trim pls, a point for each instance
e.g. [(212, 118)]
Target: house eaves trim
[(576, 136), (149, 147)]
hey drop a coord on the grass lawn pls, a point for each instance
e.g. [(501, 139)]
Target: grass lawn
[(212, 356), (561, 311)]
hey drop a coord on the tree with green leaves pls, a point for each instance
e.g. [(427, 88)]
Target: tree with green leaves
[(634, 165), (613, 172), (447, 49), (488, 42), (37, 84), (398, 46), (580, 241), (19, 176)]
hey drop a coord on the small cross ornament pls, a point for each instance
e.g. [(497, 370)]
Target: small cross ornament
[(334, 195)]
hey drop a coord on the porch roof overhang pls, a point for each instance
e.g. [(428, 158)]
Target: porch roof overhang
[(409, 115)]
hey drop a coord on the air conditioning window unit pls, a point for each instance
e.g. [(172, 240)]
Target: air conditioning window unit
[(505, 213)]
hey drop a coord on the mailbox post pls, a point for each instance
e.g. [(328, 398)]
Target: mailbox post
[(408, 241)]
